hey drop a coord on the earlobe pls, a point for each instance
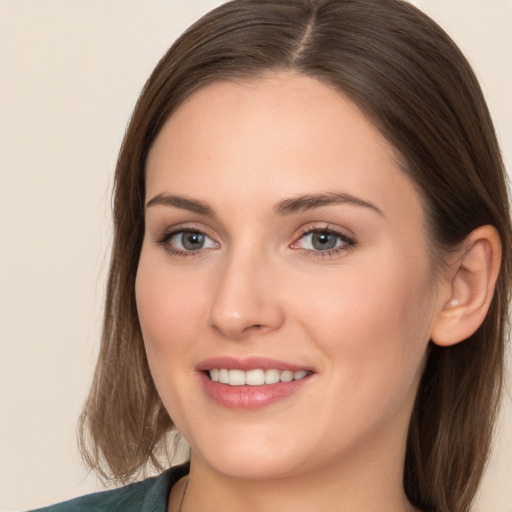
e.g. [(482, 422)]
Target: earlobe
[(470, 288)]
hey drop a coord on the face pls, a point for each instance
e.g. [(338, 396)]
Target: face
[(284, 287)]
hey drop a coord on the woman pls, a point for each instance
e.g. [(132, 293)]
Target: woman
[(310, 272)]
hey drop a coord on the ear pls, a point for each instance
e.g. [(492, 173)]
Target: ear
[(468, 293)]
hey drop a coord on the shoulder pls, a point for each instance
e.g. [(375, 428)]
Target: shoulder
[(150, 495)]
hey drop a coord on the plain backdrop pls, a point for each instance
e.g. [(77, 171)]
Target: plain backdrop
[(70, 73)]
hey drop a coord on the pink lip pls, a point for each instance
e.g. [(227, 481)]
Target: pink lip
[(249, 397), (246, 364)]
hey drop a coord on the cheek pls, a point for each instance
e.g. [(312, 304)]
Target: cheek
[(374, 327), (169, 307)]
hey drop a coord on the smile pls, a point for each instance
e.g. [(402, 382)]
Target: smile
[(257, 377)]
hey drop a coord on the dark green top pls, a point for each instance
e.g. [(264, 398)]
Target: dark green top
[(151, 495)]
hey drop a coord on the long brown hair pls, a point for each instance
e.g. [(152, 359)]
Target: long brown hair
[(411, 80)]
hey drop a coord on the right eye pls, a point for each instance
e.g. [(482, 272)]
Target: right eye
[(187, 241)]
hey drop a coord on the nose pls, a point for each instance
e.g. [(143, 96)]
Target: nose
[(245, 301)]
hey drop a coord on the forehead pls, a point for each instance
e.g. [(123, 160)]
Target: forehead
[(283, 134)]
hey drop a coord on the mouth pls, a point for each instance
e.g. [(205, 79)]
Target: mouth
[(256, 377), (251, 383)]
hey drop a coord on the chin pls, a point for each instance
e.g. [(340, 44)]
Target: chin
[(252, 466), (253, 456)]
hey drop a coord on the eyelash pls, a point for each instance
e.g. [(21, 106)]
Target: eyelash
[(347, 242), (165, 239)]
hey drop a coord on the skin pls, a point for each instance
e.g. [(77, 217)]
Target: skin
[(360, 318)]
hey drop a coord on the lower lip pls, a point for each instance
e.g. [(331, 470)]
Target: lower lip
[(250, 397)]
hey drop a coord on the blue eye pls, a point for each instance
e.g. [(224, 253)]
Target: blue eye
[(187, 240), (324, 240)]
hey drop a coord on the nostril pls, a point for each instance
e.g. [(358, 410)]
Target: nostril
[(254, 327)]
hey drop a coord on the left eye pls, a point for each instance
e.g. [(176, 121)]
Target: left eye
[(324, 240), (187, 241)]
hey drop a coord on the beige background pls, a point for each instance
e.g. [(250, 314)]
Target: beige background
[(70, 72)]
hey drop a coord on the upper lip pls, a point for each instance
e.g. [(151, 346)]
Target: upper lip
[(249, 363)]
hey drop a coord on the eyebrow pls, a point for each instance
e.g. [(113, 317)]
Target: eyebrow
[(313, 201), (184, 203), (285, 207)]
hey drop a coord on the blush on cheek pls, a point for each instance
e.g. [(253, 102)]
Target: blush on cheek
[(168, 310), (373, 331), (153, 312)]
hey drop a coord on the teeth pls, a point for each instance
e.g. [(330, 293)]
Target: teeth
[(254, 377), (272, 376), (224, 376), (236, 377), (286, 376)]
